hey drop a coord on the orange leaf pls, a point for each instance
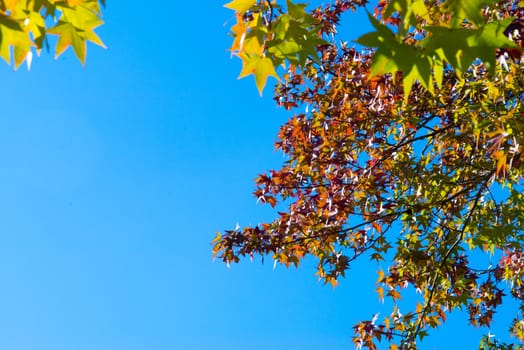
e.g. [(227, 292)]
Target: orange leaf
[(500, 156), (74, 2), (10, 4)]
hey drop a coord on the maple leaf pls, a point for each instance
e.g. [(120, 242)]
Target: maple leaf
[(461, 46), (13, 36), (240, 6), (392, 56), (76, 27), (409, 9), (261, 67), (68, 36), (470, 9)]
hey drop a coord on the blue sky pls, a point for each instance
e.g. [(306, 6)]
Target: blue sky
[(115, 178)]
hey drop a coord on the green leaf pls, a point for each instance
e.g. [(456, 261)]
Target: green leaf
[(383, 36), (372, 39), (466, 9), (285, 49), (393, 55), (409, 11), (295, 37), (451, 45), (438, 72), (461, 46), (298, 11)]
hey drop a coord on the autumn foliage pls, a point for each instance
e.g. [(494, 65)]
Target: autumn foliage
[(25, 26), (416, 166)]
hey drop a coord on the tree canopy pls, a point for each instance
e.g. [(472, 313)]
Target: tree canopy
[(26, 24), (408, 153)]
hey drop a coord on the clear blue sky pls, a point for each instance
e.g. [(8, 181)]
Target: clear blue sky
[(115, 178)]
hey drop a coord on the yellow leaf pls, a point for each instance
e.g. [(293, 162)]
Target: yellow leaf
[(419, 308), (5, 51), (74, 2), (240, 6), (380, 292), (261, 67), (239, 32), (359, 195), (68, 36), (380, 276), (91, 36), (252, 46), (20, 42), (333, 282)]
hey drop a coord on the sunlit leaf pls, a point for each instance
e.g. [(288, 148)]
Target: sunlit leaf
[(240, 6)]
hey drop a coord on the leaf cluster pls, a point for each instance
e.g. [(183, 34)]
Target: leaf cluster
[(430, 35), (265, 37), (428, 185), (420, 39), (26, 24)]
